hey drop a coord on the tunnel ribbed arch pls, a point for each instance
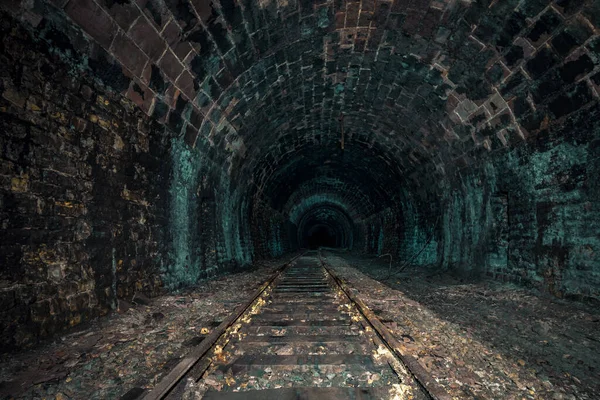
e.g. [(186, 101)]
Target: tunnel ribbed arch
[(413, 130), (327, 214), (277, 179), (148, 145), (309, 204), (256, 90), (389, 156), (358, 203)]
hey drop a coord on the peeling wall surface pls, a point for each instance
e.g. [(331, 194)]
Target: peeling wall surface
[(147, 145)]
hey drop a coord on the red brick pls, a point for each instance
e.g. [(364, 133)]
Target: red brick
[(171, 95), (162, 14), (123, 14), (196, 118), (172, 33), (170, 65), (129, 54), (141, 95), (203, 9), (365, 19), (182, 49), (340, 18), (146, 74), (191, 134), (94, 20), (146, 37), (352, 10), (185, 83)]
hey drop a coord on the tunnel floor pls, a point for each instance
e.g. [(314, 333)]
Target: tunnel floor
[(479, 340)]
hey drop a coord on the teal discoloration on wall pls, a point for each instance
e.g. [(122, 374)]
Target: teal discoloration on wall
[(276, 247), (380, 242), (528, 217), (568, 248), (270, 236), (228, 208), (246, 232), (204, 198), (323, 19), (415, 229), (450, 225), (429, 254), (184, 266)]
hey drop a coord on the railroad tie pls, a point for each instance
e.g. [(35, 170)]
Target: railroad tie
[(307, 337), (302, 336)]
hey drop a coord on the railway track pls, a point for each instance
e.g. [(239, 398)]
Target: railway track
[(303, 335)]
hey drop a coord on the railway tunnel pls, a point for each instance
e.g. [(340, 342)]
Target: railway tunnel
[(439, 156)]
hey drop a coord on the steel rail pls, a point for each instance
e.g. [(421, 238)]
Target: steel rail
[(180, 371), (171, 385), (427, 383)]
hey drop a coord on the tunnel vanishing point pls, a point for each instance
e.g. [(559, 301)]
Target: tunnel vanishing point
[(147, 145)]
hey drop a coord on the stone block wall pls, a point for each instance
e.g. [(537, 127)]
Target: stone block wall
[(270, 231), (82, 198), (529, 215), (144, 138), (410, 234), (98, 200)]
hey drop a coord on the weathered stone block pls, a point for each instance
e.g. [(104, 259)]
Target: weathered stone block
[(145, 36), (93, 19), (129, 54)]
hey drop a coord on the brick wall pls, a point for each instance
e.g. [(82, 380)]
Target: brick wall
[(271, 232), (82, 197), (529, 215), (99, 201)]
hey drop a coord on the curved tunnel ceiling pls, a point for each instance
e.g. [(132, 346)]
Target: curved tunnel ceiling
[(359, 204), (261, 85), (357, 166)]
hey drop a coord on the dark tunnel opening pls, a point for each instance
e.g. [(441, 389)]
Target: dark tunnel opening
[(323, 225), (321, 236)]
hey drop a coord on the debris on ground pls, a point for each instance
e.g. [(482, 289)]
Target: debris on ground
[(484, 340), (305, 334), (480, 340), (130, 350)]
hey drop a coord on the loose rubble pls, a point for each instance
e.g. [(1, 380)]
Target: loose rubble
[(484, 339), (250, 360), (130, 350), (481, 340)]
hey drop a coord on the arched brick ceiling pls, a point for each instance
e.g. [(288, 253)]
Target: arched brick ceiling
[(315, 190), (358, 165), (424, 85)]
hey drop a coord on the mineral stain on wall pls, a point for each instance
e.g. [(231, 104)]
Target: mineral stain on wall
[(184, 264)]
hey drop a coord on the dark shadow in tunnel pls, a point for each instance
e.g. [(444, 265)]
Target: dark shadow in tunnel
[(321, 236), (325, 225)]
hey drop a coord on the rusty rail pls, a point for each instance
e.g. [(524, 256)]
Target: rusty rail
[(178, 374), (433, 389), (193, 365)]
